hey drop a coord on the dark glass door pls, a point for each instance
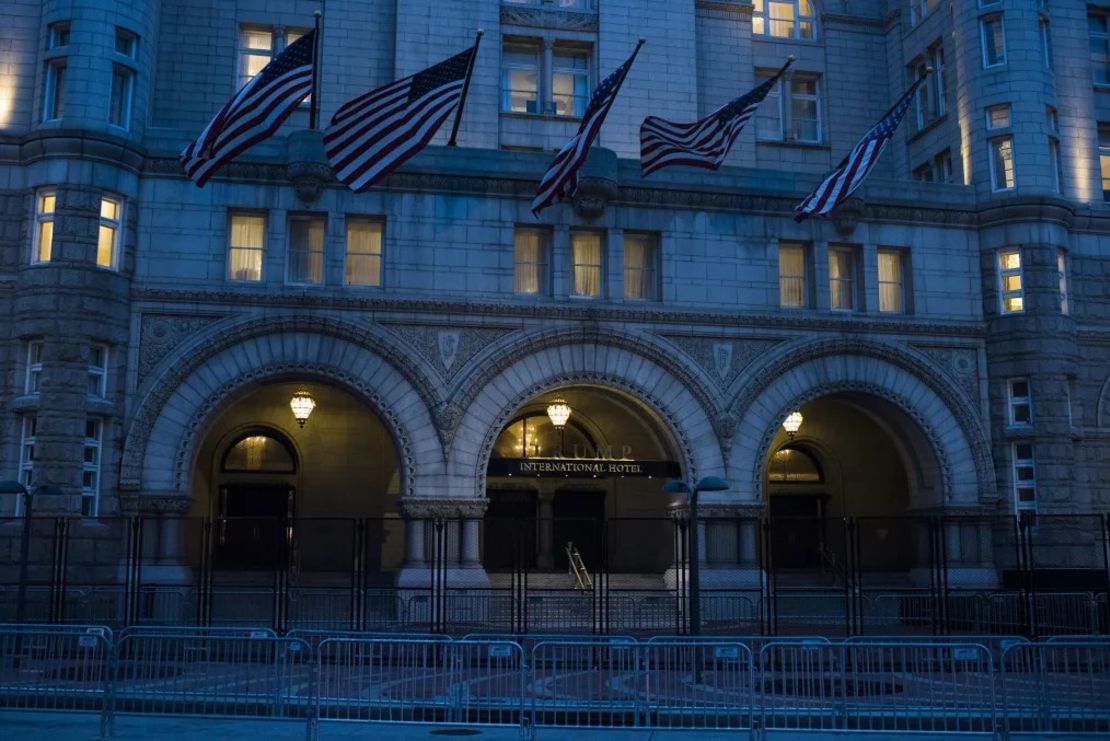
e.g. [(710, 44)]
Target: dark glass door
[(253, 521), (579, 518)]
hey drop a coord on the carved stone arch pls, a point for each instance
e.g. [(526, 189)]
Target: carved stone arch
[(586, 345), (162, 436), (642, 379), (803, 371)]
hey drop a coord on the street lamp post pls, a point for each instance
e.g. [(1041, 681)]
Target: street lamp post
[(674, 486), (14, 487)]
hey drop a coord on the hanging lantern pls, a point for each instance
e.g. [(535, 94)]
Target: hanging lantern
[(559, 412), (302, 405), (792, 423)]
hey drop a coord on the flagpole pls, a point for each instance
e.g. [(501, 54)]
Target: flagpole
[(466, 88), (314, 102)]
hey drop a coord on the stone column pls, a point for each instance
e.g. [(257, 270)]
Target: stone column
[(462, 566), (470, 532)]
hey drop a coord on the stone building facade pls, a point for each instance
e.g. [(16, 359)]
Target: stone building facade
[(957, 308)]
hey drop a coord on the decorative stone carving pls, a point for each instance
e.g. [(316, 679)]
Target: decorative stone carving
[(442, 508), (162, 503), (597, 183), (448, 350), (159, 334), (725, 425), (962, 363), (723, 359), (447, 418), (563, 20), (847, 215), (307, 166)]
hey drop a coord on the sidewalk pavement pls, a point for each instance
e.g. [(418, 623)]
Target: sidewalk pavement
[(45, 726)]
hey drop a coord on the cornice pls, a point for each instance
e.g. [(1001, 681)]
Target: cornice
[(563, 20), (851, 20), (454, 311), (76, 143), (739, 8)]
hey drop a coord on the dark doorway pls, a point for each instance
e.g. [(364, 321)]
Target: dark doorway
[(510, 526), (797, 534), (579, 519), (252, 523)]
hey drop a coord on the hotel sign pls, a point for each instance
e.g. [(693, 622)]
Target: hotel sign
[(597, 468)]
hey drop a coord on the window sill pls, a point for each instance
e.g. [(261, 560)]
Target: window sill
[(540, 117), (25, 403), (930, 126), (783, 39), (794, 144)]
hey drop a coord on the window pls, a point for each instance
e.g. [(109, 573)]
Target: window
[(1020, 402), (28, 432), (1062, 280), (306, 250), (529, 86), (786, 19), (54, 77), (258, 45), (1104, 158), (364, 252), (520, 74), (793, 292), (245, 245), (34, 367), (90, 467), (892, 281), (1025, 477), (1098, 32), (569, 4), (586, 257), (921, 8), (1055, 164), (998, 116), (930, 101), (993, 38), (939, 170), (530, 250), (924, 173), (641, 271), (123, 79), (842, 278), (800, 120), (43, 247), (1046, 41), (98, 371), (570, 82), (1010, 278), (1002, 163), (107, 240)]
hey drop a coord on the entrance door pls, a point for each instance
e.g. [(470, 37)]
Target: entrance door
[(510, 526), (798, 530), (579, 518), (254, 520)]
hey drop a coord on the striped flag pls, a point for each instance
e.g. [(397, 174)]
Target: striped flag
[(561, 179), (372, 135), (703, 143), (255, 112), (851, 172)]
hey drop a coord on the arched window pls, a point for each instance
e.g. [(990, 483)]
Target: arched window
[(785, 19), (533, 436), (259, 452), (791, 465)]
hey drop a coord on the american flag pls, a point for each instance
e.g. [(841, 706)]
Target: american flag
[(704, 143), (561, 179), (254, 113), (851, 172), (372, 135)]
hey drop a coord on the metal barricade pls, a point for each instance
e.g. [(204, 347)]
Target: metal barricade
[(904, 687), (420, 681), (315, 637), (76, 628), (56, 670), (1057, 687), (198, 631), (196, 674), (697, 685), (587, 683), (528, 641)]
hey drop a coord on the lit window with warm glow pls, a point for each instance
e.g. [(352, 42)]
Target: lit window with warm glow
[(842, 278), (44, 227), (530, 248), (793, 292), (785, 19), (641, 260), (1011, 283), (892, 291), (107, 239), (364, 252), (586, 264), (246, 242), (1104, 158), (1002, 163)]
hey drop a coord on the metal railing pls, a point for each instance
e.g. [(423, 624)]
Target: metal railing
[(899, 685)]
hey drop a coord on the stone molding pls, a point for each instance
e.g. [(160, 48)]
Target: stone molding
[(910, 361), (160, 503), (442, 508), (570, 311), (561, 20), (160, 333), (193, 355)]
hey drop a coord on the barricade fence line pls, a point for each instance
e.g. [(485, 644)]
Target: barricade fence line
[(901, 685)]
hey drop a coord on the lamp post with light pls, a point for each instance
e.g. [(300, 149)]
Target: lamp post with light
[(15, 487), (674, 486)]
